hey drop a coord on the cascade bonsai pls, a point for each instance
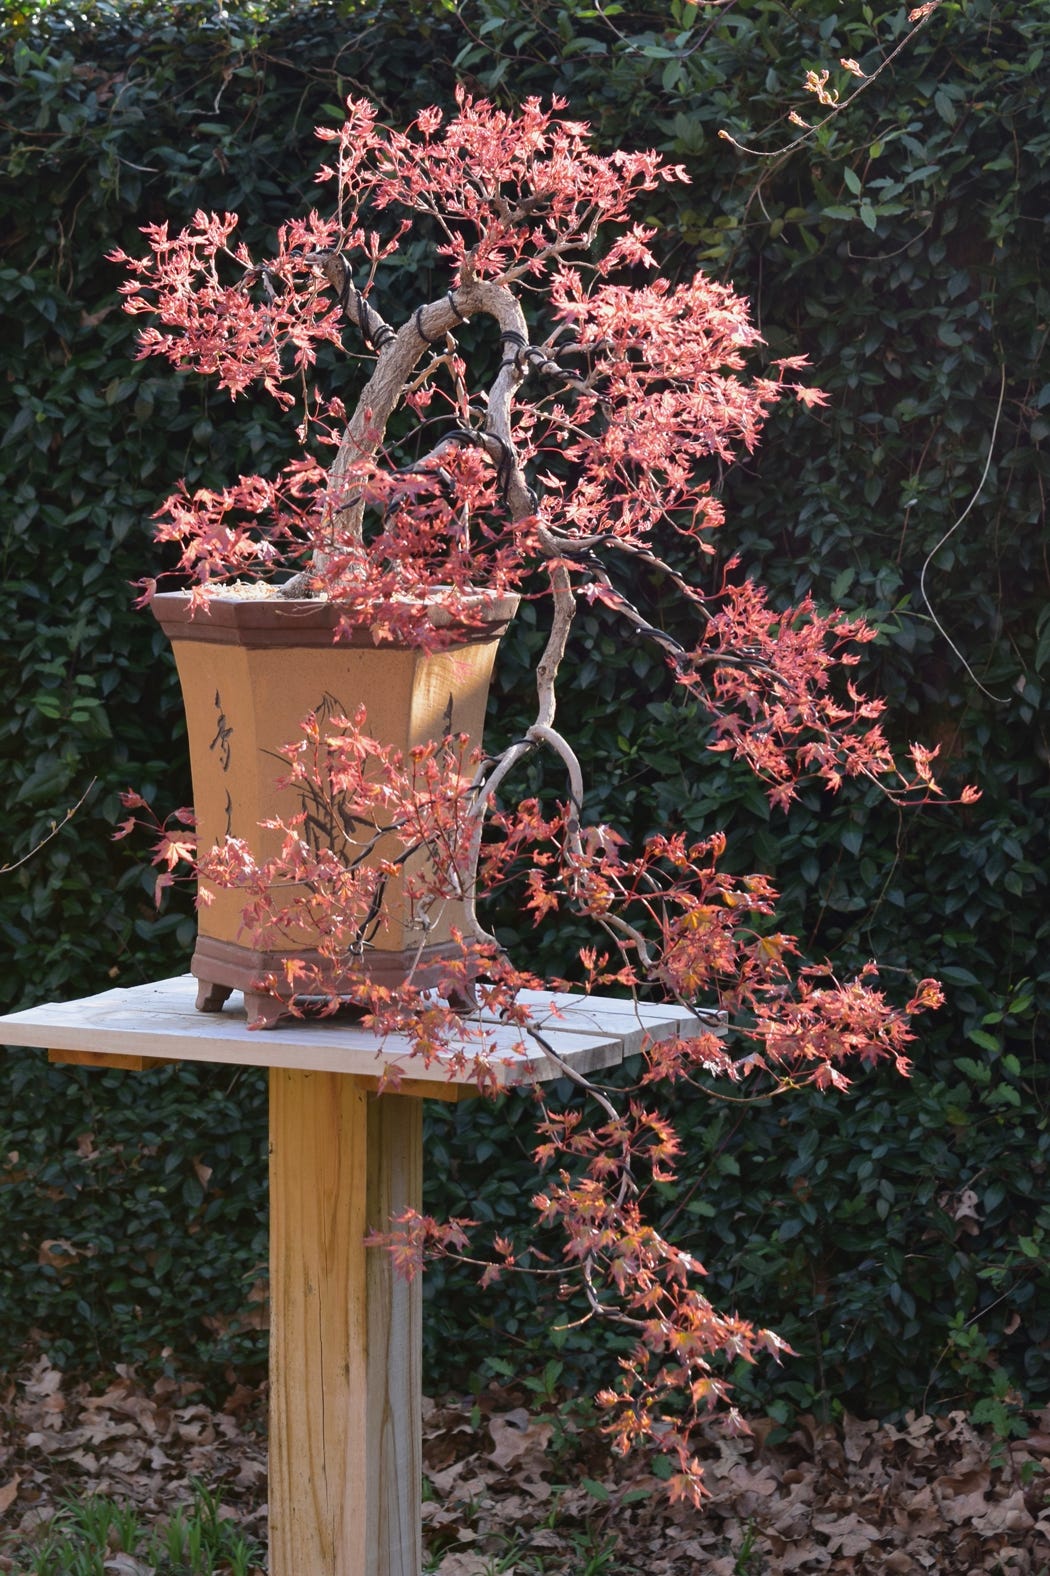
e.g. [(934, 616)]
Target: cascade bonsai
[(498, 392)]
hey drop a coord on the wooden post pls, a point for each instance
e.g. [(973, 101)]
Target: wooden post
[(395, 1345), (345, 1332)]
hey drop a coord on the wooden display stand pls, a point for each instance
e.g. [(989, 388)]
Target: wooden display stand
[(345, 1465)]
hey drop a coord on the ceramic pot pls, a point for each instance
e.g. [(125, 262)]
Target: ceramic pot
[(250, 671)]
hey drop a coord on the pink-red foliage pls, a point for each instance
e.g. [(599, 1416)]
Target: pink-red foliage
[(584, 436)]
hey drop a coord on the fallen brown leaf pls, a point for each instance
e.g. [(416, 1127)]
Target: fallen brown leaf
[(925, 1497), (516, 1438)]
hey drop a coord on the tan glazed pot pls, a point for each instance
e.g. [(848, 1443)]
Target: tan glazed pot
[(250, 671)]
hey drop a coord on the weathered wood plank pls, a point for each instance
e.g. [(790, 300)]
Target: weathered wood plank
[(631, 1022), (416, 1087), (160, 1021)]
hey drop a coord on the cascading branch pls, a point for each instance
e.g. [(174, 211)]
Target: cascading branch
[(547, 415)]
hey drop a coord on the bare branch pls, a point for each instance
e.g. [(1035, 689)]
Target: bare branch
[(56, 827)]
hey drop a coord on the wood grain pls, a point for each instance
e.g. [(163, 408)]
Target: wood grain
[(110, 1059), (318, 1324), (346, 1332)]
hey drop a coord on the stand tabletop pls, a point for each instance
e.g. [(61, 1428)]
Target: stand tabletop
[(159, 1022)]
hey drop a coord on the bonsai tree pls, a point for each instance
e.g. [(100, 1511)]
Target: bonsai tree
[(547, 415)]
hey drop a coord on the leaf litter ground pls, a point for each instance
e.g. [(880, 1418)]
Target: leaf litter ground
[(512, 1491)]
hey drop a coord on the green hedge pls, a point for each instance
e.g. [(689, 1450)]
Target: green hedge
[(898, 1236), (117, 115), (895, 1236)]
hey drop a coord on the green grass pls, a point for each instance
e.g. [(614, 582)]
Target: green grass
[(591, 1553), (195, 1540)]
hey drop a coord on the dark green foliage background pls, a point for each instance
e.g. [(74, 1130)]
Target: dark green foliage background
[(897, 1236)]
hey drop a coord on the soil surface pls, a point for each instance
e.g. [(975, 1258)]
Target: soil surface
[(512, 1490)]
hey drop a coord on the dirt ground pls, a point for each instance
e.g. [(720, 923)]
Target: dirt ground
[(510, 1490)]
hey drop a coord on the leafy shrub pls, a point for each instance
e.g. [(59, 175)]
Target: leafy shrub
[(882, 1233), (115, 114), (898, 248)]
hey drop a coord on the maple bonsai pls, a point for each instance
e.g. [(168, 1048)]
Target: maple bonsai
[(544, 422)]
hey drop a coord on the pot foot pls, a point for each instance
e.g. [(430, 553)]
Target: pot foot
[(212, 998), (463, 999), (264, 1011)]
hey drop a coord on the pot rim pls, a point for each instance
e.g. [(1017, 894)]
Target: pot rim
[(276, 621)]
